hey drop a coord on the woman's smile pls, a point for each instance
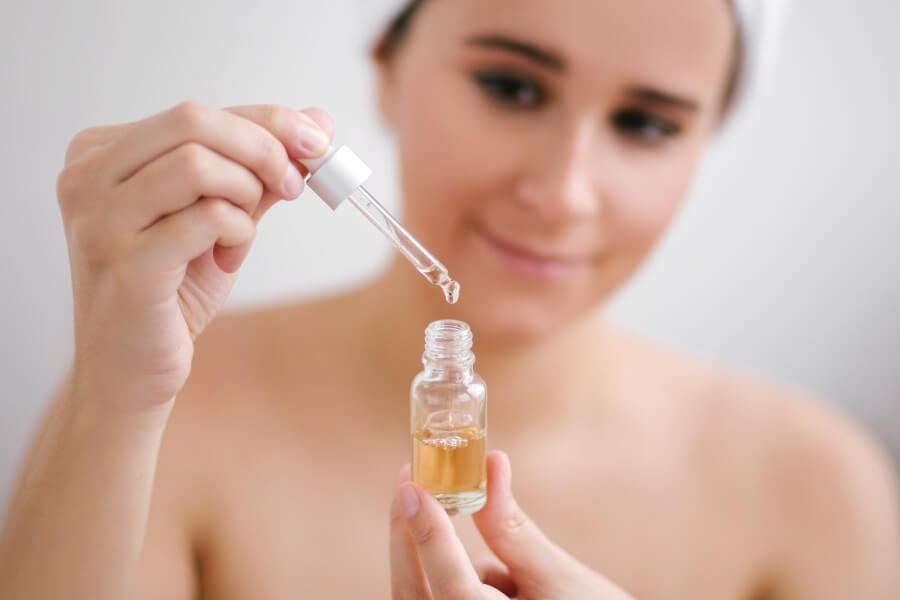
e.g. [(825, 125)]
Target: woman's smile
[(531, 259)]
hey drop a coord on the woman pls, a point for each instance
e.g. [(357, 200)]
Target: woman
[(543, 152)]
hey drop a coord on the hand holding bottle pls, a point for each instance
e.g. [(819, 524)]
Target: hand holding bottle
[(428, 560), (158, 215)]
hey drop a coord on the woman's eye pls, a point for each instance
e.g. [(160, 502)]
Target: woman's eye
[(513, 90), (643, 126)]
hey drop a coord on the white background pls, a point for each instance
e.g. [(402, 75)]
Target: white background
[(785, 261)]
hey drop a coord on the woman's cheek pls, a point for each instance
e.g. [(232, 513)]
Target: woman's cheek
[(649, 201), (452, 168), (646, 216)]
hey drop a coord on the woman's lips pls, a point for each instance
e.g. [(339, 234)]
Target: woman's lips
[(529, 263)]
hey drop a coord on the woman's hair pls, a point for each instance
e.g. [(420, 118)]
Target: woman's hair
[(398, 27), (396, 30)]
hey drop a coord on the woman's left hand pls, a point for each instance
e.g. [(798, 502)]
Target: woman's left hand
[(428, 560)]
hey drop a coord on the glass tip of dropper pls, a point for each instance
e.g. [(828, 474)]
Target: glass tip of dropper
[(437, 274), (422, 259)]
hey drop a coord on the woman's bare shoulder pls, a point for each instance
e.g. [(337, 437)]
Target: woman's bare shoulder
[(822, 479), (773, 410), (789, 423)]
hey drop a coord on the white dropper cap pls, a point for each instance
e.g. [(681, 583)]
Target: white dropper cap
[(336, 174)]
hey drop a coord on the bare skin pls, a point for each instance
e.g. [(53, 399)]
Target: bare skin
[(279, 462), (271, 448)]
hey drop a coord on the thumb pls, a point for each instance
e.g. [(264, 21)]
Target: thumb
[(508, 531)]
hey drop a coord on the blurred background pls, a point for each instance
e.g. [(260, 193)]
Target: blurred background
[(785, 261)]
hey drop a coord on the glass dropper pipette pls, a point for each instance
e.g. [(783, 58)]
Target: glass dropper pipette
[(339, 175)]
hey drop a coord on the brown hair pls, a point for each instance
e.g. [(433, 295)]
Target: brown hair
[(396, 30), (398, 27)]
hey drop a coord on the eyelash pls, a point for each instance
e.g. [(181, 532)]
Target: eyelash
[(643, 126), (513, 91), (519, 92)]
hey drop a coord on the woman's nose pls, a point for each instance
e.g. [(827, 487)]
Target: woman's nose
[(559, 184)]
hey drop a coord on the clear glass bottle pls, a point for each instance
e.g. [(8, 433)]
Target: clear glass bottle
[(448, 418)]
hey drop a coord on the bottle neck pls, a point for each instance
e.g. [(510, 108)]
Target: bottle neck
[(448, 350), (451, 370)]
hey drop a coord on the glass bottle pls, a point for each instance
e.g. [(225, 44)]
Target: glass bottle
[(448, 419)]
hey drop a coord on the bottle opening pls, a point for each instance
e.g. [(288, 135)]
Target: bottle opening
[(448, 339)]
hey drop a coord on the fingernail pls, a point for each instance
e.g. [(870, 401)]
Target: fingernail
[(403, 475), (409, 500), (507, 475), (311, 137), (292, 182)]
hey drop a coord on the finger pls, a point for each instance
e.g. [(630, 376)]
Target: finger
[(231, 258), (242, 140), (496, 575), (269, 117), (447, 566), (179, 238), (404, 474), (91, 139), (234, 256), (324, 121), (407, 577), (321, 118), (304, 133), (512, 536), (178, 178), (267, 201)]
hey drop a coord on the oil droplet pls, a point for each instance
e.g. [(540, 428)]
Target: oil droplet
[(438, 275), (451, 291)]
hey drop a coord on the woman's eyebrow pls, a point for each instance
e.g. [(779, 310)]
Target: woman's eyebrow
[(528, 50), (549, 59), (654, 96)]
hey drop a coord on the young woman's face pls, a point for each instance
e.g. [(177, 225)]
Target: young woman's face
[(544, 146)]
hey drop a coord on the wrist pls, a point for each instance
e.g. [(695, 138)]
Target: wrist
[(93, 397), (128, 383)]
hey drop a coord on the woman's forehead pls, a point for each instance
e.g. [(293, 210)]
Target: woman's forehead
[(688, 41), (582, 18)]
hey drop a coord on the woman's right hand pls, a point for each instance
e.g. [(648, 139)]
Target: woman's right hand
[(158, 215)]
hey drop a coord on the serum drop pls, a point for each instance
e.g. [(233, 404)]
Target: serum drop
[(448, 419)]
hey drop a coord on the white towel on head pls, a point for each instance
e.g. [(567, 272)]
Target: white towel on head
[(760, 22)]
